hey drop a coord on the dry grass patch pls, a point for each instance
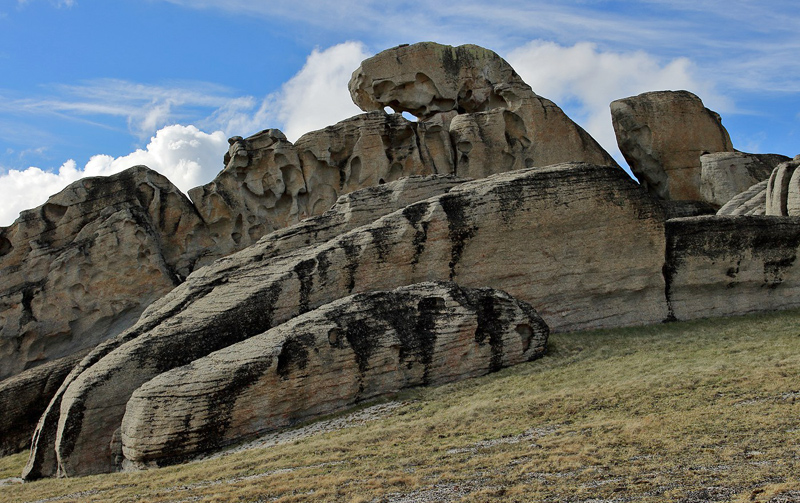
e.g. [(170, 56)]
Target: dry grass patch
[(687, 412)]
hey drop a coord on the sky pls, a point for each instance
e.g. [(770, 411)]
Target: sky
[(92, 87)]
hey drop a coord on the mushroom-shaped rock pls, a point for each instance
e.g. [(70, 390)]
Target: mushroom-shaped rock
[(428, 78), (354, 349), (662, 136), (724, 175)]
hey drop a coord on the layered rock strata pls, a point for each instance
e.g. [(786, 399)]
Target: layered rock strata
[(783, 190), (353, 349), (752, 201), (580, 242), (83, 266), (724, 175), (662, 136), (723, 266)]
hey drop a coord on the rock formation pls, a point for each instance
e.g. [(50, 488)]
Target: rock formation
[(353, 349), (583, 240), (501, 123), (83, 266), (783, 190), (662, 136), (724, 175)]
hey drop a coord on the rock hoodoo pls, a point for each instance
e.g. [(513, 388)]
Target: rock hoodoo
[(662, 136), (350, 350)]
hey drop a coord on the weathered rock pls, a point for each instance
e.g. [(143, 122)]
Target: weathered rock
[(25, 396), (82, 267), (783, 190), (579, 242), (662, 136), (354, 349), (680, 209), (261, 189), (428, 78), (365, 150), (723, 266), (501, 123), (351, 211), (752, 201), (724, 175)]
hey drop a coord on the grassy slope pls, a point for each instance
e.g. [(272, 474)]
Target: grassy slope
[(700, 411)]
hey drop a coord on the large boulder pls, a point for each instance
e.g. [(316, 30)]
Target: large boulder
[(351, 211), (724, 175), (501, 124), (579, 242), (783, 190), (353, 349), (662, 136), (82, 267)]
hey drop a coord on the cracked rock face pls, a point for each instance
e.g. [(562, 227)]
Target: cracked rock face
[(83, 266), (585, 241), (783, 190), (662, 136), (335, 356)]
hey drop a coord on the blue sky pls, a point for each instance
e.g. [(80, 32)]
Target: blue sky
[(90, 87)]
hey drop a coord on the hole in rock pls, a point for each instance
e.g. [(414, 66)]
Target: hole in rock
[(334, 336), (525, 334)]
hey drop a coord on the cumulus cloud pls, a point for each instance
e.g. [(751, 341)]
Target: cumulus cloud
[(584, 80), (184, 154)]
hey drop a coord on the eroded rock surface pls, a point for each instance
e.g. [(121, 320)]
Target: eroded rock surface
[(724, 175), (783, 190), (752, 201), (580, 242), (501, 124), (83, 266), (662, 136), (723, 266), (350, 350)]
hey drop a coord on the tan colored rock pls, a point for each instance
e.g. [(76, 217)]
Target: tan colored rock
[(501, 123), (24, 397), (752, 201), (365, 150), (428, 78), (579, 242), (351, 350), (731, 265), (662, 136), (351, 211), (783, 190), (82, 267), (261, 189), (724, 175)]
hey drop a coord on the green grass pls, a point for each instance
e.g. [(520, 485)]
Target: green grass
[(699, 411)]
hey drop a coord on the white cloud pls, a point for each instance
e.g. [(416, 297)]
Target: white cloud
[(583, 81), (184, 154), (317, 96)]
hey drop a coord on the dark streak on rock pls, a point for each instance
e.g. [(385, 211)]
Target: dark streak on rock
[(351, 252), (461, 230), (304, 271), (414, 214)]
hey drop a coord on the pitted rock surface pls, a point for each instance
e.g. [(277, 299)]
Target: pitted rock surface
[(584, 242), (724, 175), (83, 266), (501, 124), (662, 136), (324, 361)]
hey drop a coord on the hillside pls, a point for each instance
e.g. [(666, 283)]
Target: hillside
[(696, 411)]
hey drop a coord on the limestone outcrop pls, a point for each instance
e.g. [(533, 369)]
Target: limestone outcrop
[(353, 349), (662, 136), (500, 123), (783, 190), (83, 266), (724, 175), (580, 242)]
